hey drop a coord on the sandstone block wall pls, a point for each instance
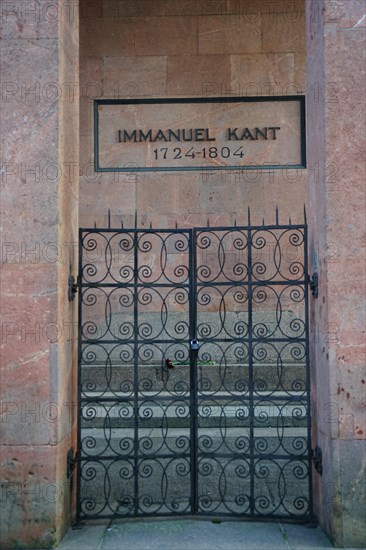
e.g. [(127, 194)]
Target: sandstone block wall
[(336, 108), (39, 197), (182, 48)]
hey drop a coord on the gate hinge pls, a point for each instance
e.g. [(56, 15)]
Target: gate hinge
[(71, 460), (314, 285), (317, 457), (73, 287)]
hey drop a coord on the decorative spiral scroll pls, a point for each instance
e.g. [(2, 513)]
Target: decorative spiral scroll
[(163, 427)]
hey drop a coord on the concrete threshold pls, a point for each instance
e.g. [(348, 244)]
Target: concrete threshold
[(195, 534)]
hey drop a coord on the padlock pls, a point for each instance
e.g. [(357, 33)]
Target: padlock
[(195, 346)]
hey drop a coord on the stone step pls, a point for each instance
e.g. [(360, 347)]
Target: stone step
[(120, 442), (266, 376), (175, 414)]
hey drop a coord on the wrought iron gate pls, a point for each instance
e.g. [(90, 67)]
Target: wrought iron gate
[(194, 372)]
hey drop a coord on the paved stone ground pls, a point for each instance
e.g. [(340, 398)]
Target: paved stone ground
[(189, 534)]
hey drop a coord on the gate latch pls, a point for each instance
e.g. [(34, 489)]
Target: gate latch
[(195, 345)]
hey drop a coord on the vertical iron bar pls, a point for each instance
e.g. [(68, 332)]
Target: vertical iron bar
[(193, 368), (136, 374), (96, 135), (78, 409), (307, 350), (303, 131), (250, 371)]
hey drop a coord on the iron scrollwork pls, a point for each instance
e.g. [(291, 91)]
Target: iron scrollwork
[(223, 428)]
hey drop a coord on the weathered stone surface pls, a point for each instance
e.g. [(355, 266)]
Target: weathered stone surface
[(27, 308), (218, 35), (109, 37), (29, 492), (91, 87), (120, 189), (345, 15), (344, 81), (27, 406), (188, 75), (247, 8), (263, 74), (39, 133), (335, 81), (187, 7), (287, 183), (166, 36), (33, 20), (282, 35), (300, 76), (134, 76), (29, 165), (122, 10), (30, 96), (352, 478)]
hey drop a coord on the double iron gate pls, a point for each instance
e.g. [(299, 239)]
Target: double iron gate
[(194, 372)]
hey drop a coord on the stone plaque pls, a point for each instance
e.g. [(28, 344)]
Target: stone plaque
[(230, 133)]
